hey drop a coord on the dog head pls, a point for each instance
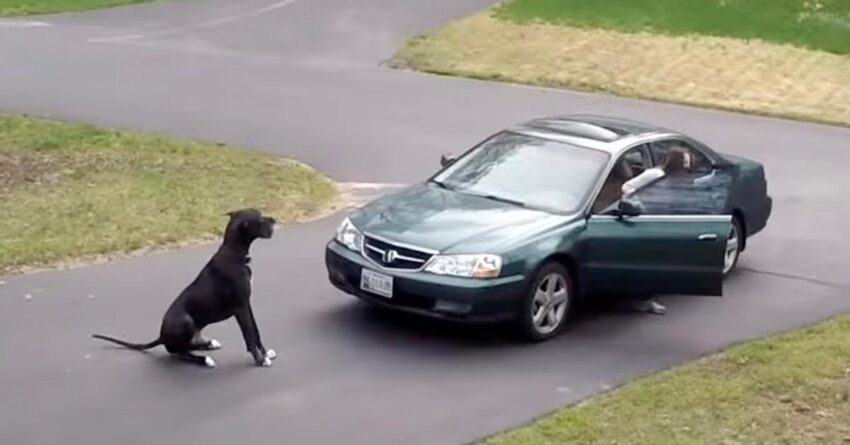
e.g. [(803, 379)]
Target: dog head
[(249, 224)]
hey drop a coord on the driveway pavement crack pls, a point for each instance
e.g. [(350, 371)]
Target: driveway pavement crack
[(797, 278)]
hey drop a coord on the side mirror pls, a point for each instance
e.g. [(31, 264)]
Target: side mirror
[(447, 160), (629, 208)]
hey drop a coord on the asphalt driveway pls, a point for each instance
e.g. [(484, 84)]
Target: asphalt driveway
[(303, 79)]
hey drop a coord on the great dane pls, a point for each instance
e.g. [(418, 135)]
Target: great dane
[(222, 290)]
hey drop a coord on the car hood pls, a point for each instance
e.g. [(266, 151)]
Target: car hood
[(450, 222)]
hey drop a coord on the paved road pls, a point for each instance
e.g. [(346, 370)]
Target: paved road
[(302, 78)]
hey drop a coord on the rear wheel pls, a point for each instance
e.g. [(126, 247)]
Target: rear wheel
[(734, 244), (547, 303)]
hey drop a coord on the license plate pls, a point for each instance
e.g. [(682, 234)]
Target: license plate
[(376, 283)]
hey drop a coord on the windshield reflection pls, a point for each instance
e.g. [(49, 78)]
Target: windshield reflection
[(527, 171)]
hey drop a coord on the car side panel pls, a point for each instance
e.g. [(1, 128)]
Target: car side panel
[(531, 253)]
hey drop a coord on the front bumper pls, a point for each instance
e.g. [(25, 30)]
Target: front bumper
[(448, 298)]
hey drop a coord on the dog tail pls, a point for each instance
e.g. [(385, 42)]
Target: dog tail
[(133, 346)]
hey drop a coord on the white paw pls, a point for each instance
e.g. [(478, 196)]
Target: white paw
[(270, 354), (267, 362), (209, 362), (214, 344)]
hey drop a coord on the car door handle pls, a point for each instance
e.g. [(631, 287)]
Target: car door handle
[(708, 237)]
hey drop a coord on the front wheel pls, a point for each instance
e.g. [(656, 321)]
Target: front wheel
[(734, 245), (547, 303)]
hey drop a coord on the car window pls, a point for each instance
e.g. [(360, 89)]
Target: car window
[(661, 149), (687, 194), (628, 166), (637, 160), (527, 170)]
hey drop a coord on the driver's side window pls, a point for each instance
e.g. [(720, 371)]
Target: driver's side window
[(628, 166)]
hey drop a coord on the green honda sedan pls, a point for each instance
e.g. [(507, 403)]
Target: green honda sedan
[(539, 216)]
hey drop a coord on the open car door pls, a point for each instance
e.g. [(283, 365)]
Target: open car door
[(673, 240), (656, 254)]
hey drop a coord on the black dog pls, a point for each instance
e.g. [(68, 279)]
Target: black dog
[(222, 290)]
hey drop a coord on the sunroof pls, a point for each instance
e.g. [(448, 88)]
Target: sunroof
[(597, 128), (624, 127), (574, 128)]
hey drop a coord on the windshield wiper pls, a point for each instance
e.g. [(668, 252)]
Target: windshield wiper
[(445, 186), (501, 199), (442, 185)]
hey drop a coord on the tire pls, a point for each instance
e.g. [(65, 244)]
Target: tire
[(537, 326), (731, 257)]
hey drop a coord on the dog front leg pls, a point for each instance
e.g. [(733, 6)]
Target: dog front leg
[(268, 353), (251, 336)]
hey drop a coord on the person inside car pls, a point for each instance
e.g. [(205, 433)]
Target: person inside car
[(678, 161)]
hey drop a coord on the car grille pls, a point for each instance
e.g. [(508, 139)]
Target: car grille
[(393, 256)]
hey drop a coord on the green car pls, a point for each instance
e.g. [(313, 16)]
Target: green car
[(534, 219)]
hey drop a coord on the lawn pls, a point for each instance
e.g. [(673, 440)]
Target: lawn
[(814, 24), (752, 76), (70, 192), (16, 8), (789, 389)]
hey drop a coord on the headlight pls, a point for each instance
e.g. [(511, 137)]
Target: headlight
[(349, 236), (473, 266)]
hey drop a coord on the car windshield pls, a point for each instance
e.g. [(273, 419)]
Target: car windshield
[(528, 171)]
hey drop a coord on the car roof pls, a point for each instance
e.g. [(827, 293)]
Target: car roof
[(605, 133)]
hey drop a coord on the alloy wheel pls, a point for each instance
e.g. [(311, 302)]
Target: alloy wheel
[(550, 304)]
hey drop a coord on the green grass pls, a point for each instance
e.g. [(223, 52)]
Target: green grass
[(75, 191), (814, 24), (716, 72), (789, 389), (18, 8)]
